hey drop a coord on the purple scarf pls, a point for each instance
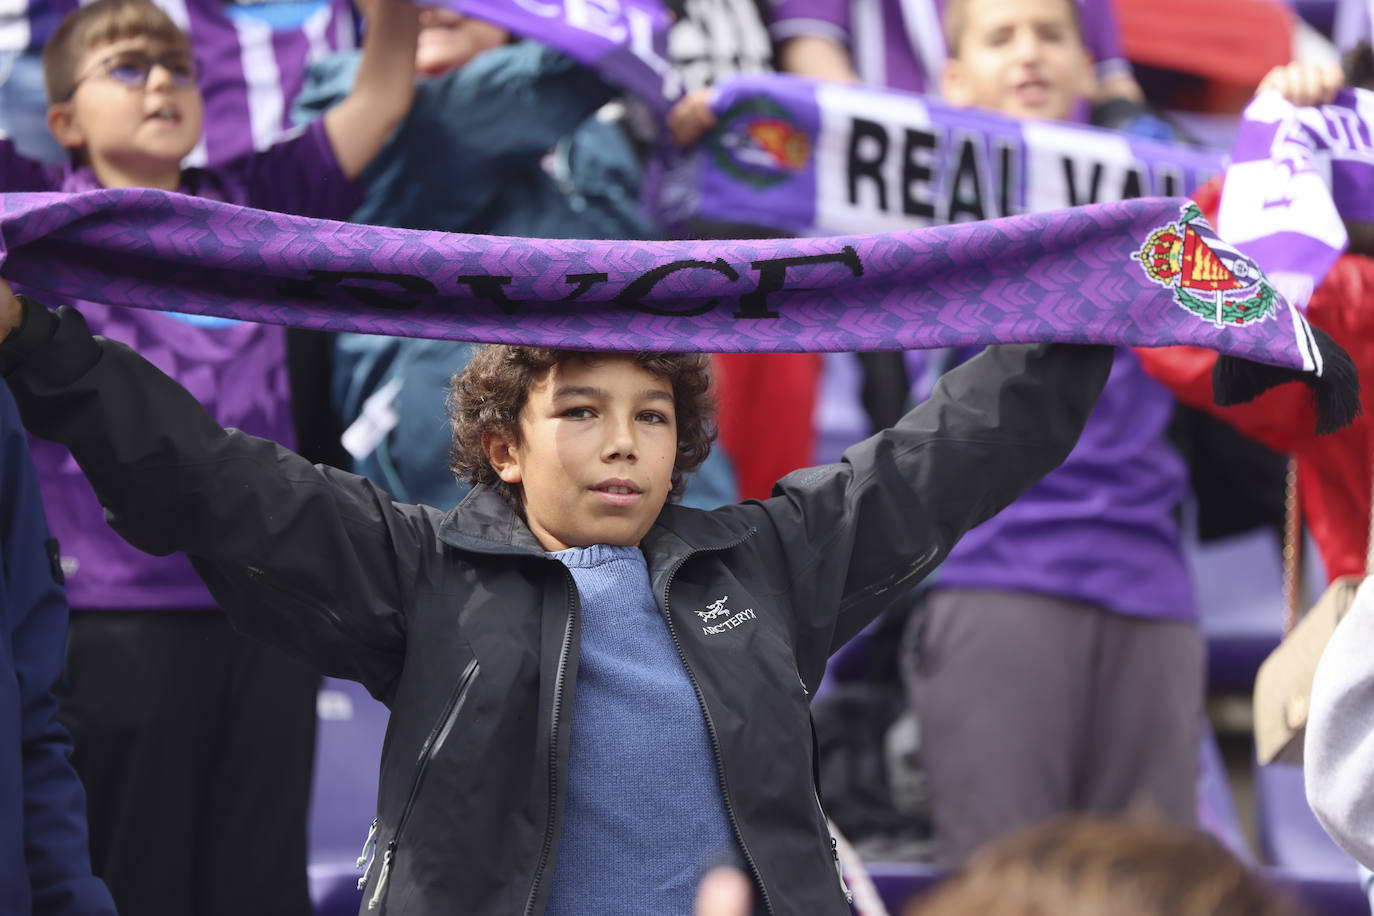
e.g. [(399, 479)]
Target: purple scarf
[(626, 41), (1145, 272)]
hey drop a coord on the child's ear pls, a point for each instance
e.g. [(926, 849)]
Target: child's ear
[(62, 125), (504, 456)]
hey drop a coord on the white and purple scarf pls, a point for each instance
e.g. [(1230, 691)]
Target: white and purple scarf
[(815, 158), (1296, 176)]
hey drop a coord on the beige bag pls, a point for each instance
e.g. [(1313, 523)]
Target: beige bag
[(1283, 683)]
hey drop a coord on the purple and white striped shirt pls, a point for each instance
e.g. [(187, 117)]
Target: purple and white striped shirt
[(250, 70), (900, 44)]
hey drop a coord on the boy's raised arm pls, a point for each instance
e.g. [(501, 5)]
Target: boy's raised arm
[(359, 126), (859, 534), (308, 558)]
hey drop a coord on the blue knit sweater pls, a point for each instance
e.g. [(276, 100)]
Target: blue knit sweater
[(644, 813)]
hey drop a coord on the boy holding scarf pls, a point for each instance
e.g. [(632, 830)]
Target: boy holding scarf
[(594, 693)]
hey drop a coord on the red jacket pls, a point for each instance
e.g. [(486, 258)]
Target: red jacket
[(1334, 471)]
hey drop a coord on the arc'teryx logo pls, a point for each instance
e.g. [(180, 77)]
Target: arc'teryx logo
[(718, 609), (715, 609)]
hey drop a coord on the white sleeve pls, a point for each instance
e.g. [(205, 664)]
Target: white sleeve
[(1338, 749)]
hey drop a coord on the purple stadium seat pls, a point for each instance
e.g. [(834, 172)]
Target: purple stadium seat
[(1216, 807), (1239, 582), (1299, 854), (899, 882), (344, 792), (1289, 836), (1322, 896)]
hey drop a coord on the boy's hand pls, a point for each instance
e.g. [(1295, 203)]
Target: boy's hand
[(11, 310), (1305, 83), (691, 117)]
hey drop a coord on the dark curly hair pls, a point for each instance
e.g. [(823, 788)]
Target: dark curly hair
[(488, 394)]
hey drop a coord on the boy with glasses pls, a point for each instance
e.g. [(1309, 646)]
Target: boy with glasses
[(196, 745)]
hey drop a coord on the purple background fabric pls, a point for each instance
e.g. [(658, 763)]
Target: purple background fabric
[(625, 40), (238, 371), (1101, 528)]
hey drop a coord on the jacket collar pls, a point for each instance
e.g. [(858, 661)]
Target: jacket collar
[(485, 523)]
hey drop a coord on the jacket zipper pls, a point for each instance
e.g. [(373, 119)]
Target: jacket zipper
[(559, 680), (834, 848), (365, 856), (711, 726), (816, 793), (428, 751)]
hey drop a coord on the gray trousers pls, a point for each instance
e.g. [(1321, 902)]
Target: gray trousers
[(1030, 705)]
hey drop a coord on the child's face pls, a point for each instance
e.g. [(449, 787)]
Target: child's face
[(449, 40), (598, 442), (1023, 58), (136, 129)]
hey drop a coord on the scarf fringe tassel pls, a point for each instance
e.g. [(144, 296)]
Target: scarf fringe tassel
[(1335, 393)]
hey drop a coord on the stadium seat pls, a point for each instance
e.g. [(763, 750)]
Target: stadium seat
[(343, 794), (1290, 838), (1216, 806), (898, 882), (1298, 853), (1239, 582)]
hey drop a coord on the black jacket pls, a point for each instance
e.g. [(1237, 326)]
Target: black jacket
[(464, 627)]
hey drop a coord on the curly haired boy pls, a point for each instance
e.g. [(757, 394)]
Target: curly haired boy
[(595, 694)]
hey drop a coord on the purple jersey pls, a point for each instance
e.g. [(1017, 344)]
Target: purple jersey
[(236, 369), (1102, 528), (250, 71), (899, 44)]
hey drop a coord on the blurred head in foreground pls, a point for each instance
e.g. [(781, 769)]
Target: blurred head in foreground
[(1079, 865)]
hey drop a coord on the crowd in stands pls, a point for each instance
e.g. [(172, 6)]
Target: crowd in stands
[(161, 656)]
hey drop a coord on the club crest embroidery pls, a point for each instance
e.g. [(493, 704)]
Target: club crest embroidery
[(759, 142), (1209, 278)]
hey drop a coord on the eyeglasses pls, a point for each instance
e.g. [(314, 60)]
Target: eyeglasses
[(132, 68)]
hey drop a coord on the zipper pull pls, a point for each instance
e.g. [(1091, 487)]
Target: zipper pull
[(371, 833), (382, 876), (839, 870)]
